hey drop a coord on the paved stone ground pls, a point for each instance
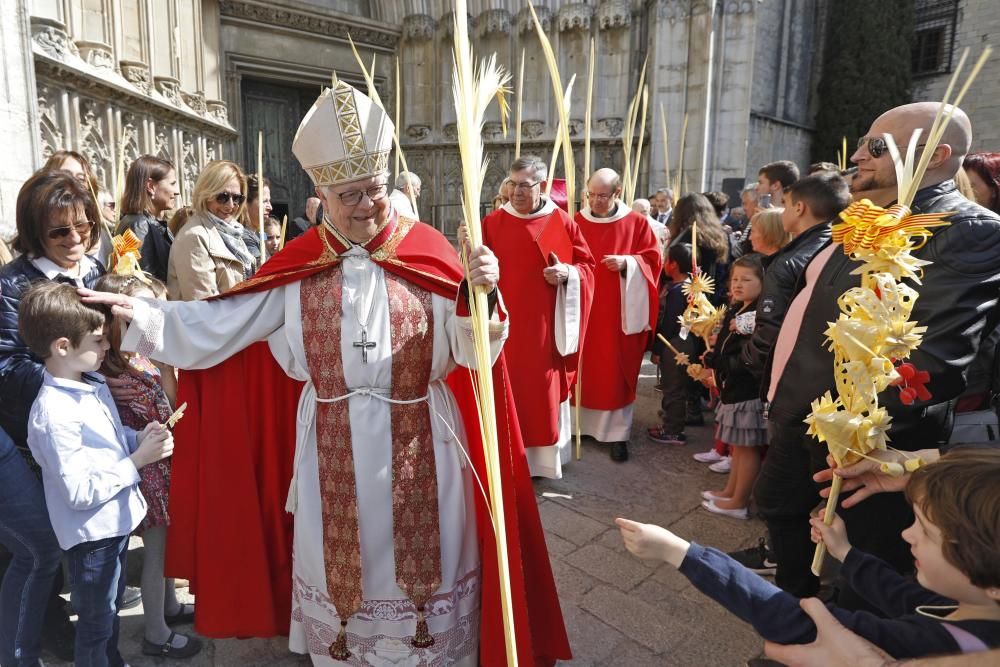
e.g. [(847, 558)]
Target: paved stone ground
[(619, 610)]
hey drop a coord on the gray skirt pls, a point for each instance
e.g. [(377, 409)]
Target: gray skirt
[(742, 424)]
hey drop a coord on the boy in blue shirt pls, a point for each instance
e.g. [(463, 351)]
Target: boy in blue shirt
[(90, 462)]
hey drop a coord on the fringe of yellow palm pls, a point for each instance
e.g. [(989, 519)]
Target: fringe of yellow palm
[(473, 89), (874, 331)]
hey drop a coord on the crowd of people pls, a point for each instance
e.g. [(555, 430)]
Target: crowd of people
[(328, 345)]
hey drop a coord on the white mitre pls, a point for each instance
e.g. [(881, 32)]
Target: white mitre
[(344, 137)]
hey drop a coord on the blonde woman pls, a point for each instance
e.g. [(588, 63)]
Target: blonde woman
[(767, 233), (209, 256)]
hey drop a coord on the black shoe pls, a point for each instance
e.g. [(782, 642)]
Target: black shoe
[(131, 598), (184, 615), (59, 636), (757, 559), (168, 650), (619, 451)]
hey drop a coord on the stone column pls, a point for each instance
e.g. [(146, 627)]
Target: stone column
[(537, 98), (573, 22), (733, 84), (18, 118), (493, 29), (417, 80), (700, 98), (668, 77)]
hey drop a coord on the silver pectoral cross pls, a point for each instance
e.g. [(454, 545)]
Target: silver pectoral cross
[(365, 345)]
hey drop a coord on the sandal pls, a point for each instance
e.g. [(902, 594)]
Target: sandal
[(168, 650), (182, 615)]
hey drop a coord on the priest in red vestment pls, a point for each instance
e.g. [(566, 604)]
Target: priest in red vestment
[(623, 314), (547, 284), (362, 426)]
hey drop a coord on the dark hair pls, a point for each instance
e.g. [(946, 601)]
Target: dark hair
[(49, 311), (47, 194), (719, 201), (56, 160), (826, 193), (816, 167), (751, 261), (783, 171), (694, 206), (116, 363), (145, 167), (959, 494), (987, 166), (253, 194), (680, 254)]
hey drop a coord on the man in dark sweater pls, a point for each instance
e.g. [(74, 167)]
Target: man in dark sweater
[(958, 299)]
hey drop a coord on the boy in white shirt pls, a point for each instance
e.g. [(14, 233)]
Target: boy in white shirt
[(90, 462)]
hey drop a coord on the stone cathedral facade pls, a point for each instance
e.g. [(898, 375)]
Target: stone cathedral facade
[(196, 80)]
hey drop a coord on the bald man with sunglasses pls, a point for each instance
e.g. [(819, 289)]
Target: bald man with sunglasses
[(958, 298)]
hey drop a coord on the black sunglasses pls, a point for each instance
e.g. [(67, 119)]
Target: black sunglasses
[(82, 228), (877, 146), (225, 197)]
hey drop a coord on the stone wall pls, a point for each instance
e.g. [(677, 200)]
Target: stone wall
[(132, 73), (978, 24)]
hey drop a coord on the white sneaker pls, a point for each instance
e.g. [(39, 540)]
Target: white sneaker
[(711, 456), (721, 466), (740, 513)]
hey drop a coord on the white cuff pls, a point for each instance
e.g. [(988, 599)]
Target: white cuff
[(567, 314)]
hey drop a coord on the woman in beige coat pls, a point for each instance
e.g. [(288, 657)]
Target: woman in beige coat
[(208, 255)]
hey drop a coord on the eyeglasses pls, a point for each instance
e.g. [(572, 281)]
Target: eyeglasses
[(597, 195), (82, 228), (354, 197), (523, 187), (877, 146), (225, 197)]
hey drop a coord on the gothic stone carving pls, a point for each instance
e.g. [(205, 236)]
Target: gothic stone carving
[(137, 74), (575, 127), (52, 138), (308, 22), (451, 132), (96, 54), (419, 27), (189, 165), (196, 101), (92, 132), (169, 87), (217, 111), (575, 16), (740, 7), (524, 22), (447, 24), (673, 10), (495, 21), (611, 126), (418, 132), (492, 130), (614, 14), (50, 36), (532, 129)]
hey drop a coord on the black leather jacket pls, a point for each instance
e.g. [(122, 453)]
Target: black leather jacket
[(20, 370), (155, 239), (958, 301), (781, 284)]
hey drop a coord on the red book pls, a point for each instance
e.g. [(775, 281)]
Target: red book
[(555, 239)]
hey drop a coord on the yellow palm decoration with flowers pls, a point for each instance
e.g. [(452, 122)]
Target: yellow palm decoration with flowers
[(125, 256), (874, 335)]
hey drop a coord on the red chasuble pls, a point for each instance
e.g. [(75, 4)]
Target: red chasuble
[(539, 375), (230, 535), (609, 371)]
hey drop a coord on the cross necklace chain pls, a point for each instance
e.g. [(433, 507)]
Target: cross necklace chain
[(364, 344)]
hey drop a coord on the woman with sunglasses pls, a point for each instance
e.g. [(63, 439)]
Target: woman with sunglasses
[(56, 214), (150, 191), (209, 255)]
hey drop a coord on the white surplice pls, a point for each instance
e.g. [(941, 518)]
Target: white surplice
[(200, 334)]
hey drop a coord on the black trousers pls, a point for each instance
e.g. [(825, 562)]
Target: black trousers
[(675, 385), (786, 495)]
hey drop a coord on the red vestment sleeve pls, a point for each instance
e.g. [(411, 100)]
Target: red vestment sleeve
[(538, 622), (229, 533)]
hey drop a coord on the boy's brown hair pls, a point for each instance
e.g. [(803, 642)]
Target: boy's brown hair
[(961, 496), (49, 311)]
